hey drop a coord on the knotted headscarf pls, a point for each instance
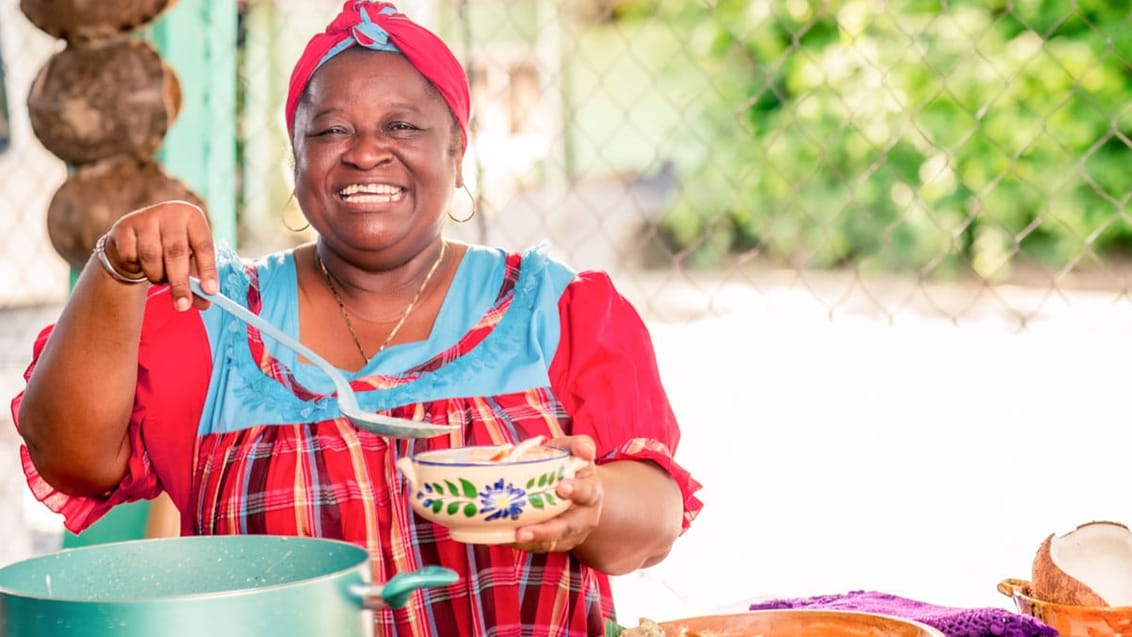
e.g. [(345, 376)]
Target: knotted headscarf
[(379, 26)]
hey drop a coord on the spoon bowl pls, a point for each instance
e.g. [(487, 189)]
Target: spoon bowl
[(347, 399)]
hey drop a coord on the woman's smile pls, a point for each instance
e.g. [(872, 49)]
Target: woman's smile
[(370, 195), (376, 155)]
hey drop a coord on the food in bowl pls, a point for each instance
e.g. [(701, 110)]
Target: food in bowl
[(480, 497)]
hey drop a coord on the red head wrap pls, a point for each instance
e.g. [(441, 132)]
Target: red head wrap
[(379, 26)]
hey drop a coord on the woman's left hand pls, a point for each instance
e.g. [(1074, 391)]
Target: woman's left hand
[(574, 525)]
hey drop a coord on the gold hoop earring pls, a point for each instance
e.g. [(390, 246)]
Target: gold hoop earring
[(299, 229), (283, 217), (473, 213)]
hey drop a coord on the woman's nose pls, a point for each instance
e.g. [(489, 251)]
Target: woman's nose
[(367, 151)]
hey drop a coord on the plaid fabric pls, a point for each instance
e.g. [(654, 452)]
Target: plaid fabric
[(329, 479)]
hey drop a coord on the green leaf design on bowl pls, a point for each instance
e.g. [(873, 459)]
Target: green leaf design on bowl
[(495, 501)]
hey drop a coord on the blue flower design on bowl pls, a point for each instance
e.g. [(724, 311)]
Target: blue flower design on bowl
[(504, 502)]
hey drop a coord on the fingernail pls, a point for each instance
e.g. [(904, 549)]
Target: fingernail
[(182, 304), (566, 489), (210, 286), (524, 536)]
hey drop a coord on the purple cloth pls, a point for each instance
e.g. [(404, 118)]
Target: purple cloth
[(953, 622)]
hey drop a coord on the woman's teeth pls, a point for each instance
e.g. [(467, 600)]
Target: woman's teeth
[(371, 193)]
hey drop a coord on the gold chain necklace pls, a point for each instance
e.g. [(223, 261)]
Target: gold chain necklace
[(404, 315)]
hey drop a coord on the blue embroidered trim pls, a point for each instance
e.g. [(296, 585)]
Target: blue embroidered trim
[(495, 352), (254, 398)]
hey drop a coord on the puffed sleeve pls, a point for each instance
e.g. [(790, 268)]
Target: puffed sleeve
[(605, 372), (173, 345)]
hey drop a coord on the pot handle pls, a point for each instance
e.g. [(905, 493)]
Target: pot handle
[(395, 592), (1011, 587)]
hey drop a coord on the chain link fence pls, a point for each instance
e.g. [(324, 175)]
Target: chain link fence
[(968, 143), (774, 161)]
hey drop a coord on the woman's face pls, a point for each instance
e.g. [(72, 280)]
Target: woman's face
[(377, 156)]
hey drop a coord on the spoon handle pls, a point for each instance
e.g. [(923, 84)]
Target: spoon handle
[(264, 326), (347, 401)]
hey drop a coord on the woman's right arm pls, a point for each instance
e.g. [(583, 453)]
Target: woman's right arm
[(77, 405)]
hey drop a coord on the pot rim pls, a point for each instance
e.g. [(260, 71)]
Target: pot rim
[(235, 592), (925, 628)]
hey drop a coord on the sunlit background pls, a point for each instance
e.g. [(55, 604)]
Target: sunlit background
[(882, 247)]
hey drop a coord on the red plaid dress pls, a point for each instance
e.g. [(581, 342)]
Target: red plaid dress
[(315, 474)]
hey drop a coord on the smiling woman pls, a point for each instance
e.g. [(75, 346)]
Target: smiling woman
[(246, 437)]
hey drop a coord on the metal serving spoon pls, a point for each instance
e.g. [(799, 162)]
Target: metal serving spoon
[(347, 399)]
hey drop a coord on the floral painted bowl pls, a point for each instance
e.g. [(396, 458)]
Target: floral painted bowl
[(1069, 621), (481, 500)]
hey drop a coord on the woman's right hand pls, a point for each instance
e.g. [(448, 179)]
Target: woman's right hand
[(166, 242)]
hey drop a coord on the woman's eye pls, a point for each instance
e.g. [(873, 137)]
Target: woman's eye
[(402, 126), (330, 130)]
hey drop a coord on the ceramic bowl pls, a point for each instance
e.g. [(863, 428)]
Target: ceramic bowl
[(483, 501), (1070, 621), (800, 623)]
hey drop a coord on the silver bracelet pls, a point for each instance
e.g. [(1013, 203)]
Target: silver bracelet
[(100, 253)]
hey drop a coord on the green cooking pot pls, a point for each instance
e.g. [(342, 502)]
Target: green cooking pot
[(212, 586)]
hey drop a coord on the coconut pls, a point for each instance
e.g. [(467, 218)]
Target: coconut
[(1088, 566), (87, 20), (91, 103)]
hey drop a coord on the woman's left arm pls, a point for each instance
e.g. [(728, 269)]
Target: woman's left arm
[(628, 509), (641, 514)]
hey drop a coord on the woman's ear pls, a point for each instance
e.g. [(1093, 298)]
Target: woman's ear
[(460, 170)]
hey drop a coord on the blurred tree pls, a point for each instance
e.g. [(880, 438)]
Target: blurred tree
[(933, 136)]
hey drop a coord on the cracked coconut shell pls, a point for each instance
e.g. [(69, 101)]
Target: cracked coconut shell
[(1088, 566)]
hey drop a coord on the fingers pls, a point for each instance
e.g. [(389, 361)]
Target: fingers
[(176, 254), (562, 533), (122, 251), (574, 525), (204, 257), (168, 242), (584, 488)]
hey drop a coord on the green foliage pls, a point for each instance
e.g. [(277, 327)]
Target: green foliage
[(931, 136)]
